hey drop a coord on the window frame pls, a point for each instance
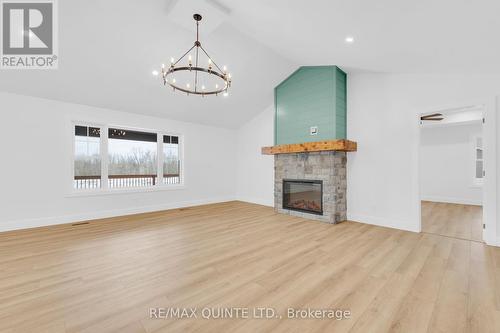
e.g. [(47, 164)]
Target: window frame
[(104, 140), (476, 182)]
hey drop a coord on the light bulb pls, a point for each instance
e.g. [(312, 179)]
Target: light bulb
[(229, 75), (155, 73), (162, 65), (172, 60), (202, 87), (349, 39), (209, 61), (173, 80), (225, 94), (216, 86), (224, 68), (188, 85)]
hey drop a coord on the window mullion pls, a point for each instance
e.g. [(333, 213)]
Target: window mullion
[(160, 159), (104, 158), (180, 159)]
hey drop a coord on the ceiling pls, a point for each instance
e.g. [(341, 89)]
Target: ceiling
[(424, 36), (108, 49)]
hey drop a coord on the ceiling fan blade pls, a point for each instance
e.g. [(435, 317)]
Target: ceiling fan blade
[(437, 119), (431, 116)]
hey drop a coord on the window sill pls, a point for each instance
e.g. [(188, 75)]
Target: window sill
[(102, 192)]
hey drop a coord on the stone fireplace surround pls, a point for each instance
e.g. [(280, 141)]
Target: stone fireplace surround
[(327, 166)]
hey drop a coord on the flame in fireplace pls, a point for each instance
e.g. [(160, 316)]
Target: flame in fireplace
[(305, 205)]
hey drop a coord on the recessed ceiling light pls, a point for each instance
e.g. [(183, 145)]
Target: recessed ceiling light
[(349, 39), (155, 73)]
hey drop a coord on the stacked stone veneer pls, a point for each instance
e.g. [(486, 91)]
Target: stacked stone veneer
[(330, 167)]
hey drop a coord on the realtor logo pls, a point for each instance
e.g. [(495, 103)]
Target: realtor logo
[(29, 34)]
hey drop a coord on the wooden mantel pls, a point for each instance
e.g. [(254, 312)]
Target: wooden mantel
[(330, 145)]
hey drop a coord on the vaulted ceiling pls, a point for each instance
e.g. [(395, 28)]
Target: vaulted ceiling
[(108, 49)]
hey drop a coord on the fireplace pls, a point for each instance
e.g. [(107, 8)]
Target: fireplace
[(303, 195), (313, 176)]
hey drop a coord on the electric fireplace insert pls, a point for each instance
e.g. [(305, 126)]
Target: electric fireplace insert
[(303, 195)]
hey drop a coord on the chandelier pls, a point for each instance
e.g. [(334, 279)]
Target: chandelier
[(188, 75)]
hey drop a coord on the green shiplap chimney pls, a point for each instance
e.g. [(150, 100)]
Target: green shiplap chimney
[(313, 96)]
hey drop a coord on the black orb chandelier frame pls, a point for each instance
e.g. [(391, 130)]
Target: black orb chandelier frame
[(211, 69)]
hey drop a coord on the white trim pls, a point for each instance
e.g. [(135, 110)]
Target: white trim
[(159, 158), (490, 106), (55, 220), (490, 166), (494, 243), (104, 160), (258, 201), (461, 123), (105, 190), (452, 200), (182, 178), (382, 222), (71, 157)]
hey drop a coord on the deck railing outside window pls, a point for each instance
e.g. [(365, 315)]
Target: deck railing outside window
[(124, 181)]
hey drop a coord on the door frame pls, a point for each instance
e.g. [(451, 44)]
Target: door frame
[(490, 106)]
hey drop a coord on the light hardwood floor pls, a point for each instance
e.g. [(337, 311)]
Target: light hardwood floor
[(453, 220), (104, 276)]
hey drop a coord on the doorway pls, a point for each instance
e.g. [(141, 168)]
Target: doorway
[(452, 172)]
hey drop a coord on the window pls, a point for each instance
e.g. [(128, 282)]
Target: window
[(171, 161), (116, 157), (132, 158), (479, 162), (87, 158)]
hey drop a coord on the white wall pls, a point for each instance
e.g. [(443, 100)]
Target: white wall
[(447, 164), (35, 142), (256, 171), (382, 116)]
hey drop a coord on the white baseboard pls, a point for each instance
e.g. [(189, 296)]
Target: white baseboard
[(48, 221), (493, 242), (459, 201), (383, 222), (258, 201)]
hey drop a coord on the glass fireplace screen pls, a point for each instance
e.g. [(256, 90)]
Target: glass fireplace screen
[(303, 195)]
